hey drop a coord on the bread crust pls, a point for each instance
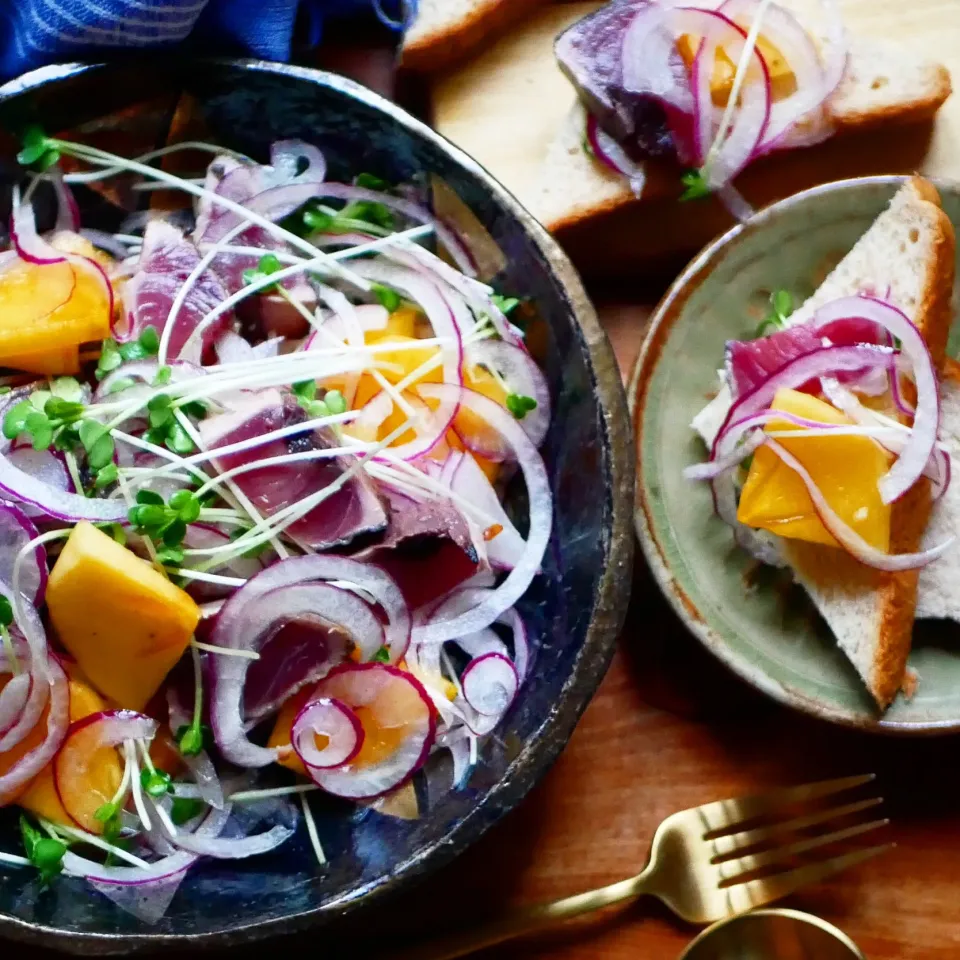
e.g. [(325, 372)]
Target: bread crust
[(436, 50), (909, 516)]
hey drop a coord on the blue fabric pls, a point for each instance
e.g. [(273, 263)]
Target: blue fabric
[(36, 32)]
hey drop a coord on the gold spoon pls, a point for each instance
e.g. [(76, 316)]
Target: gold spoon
[(773, 935)]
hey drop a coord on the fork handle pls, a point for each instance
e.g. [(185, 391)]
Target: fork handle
[(526, 920)]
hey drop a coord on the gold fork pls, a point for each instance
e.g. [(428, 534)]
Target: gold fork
[(709, 862)]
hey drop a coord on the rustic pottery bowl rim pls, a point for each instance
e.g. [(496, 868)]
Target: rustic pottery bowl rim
[(662, 321), (609, 607)]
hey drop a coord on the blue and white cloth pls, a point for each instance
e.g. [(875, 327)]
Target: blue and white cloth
[(37, 32)]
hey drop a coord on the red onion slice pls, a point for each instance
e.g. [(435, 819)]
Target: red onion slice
[(794, 43), (613, 156), (13, 697), (441, 317), (724, 153), (39, 665), (56, 693), (490, 684), (334, 720), (505, 547), (200, 766), (911, 463), (30, 246), (287, 157), (825, 362), (68, 213), (848, 538), (393, 701), (329, 605), (232, 848), (541, 518), (522, 375), (16, 531)]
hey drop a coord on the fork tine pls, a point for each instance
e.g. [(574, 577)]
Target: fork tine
[(724, 816), (729, 844), (734, 868), (755, 893)]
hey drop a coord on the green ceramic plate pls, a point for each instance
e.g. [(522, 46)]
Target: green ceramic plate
[(765, 631)]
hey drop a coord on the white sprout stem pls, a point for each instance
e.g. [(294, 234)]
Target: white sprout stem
[(185, 289), (227, 651), (474, 740), (251, 796), (241, 497), (307, 455), (371, 246), (312, 830), (92, 177), (148, 187), (319, 258), (14, 860), (73, 470), (138, 803), (121, 793), (94, 841), (726, 119), (164, 817), (210, 578)]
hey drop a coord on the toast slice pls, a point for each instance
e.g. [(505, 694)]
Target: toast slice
[(911, 247), (445, 31), (883, 85)]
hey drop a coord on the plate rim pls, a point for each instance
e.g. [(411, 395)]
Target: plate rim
[(610, 603), (661, 322)]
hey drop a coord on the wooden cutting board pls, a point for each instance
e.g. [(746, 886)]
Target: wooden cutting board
[(504, 106)]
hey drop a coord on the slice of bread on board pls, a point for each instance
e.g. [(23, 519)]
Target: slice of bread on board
[(446, 31), (911, 247), (582, 200)]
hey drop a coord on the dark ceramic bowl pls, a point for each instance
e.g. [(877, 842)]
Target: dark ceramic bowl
[(575, 610)]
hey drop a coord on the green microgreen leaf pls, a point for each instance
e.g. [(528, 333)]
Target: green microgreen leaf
[(695, 185), (106, 476), (106, 812), (132, 351), (178, 440), (149, 497), (6, 612), (387, 297), (190, 740), (174, 532), (316, 409), (316, 221), (15, 422), (97, 442), (67, 388), (370, 182), (520, 405), (184, 809), (149, 341), (336, 402), (163, 377), (170, 556), (305, 389), (156, 783), (195, 408), (121, 384), (368, 212), (110, 358), (35, 145), (45, 853), (781, 306), (506, 305), (40, 428), (381, 656)]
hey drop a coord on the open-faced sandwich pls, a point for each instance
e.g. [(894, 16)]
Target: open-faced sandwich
[(830, 439), (678, 99), (445, 31)]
